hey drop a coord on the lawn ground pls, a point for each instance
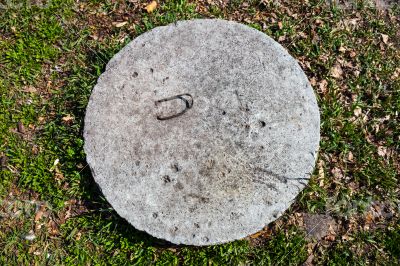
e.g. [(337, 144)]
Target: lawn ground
[(51, 53)]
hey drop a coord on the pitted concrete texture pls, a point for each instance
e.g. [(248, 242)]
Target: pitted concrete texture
[(232, 162)]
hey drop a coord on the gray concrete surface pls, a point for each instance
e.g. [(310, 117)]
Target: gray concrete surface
[(226, 167)]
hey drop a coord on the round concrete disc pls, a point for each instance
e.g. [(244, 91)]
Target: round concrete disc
[(202, 132)]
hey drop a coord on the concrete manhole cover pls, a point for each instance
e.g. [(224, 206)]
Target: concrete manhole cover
[(202, 132)]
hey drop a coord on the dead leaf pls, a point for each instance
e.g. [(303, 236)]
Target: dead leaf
[(67, 214), (309, 261), (256, 235), (120, 24), (330, 237), (20, 127), (376, 127), (382, 151), (302, 35), (68, 119), (3, 161), (310, 247), (346, 237), (323, 86), (52, 228), (357, 111), (337, 173), (280, 25), (59, 176), (319, 22), (385, 38), (319, 226), (39, 214), (321, 172), (353, 21), (35, 149), (382, 46), (369, 220), (30, 89), (347, 64), (342, 49), (336, 71), (151, 7), (281, 38), (350, 156), (313, 81), (396, 74)]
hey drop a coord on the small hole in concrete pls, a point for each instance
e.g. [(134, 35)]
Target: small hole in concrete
[(262, 124), (175, 167), (204, 200), (155, 215), (135, 74), (223, 113), (197, 225), (167, 179), (178, 186), (151, 70)]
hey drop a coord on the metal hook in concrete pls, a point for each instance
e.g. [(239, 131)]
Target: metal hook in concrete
[(188, 105)]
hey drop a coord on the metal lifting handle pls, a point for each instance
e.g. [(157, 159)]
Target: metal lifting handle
[(188, 105)]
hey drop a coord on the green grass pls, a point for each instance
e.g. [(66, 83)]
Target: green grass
[(54, 51)]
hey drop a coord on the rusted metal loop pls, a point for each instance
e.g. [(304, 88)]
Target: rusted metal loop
[(188, 105)]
